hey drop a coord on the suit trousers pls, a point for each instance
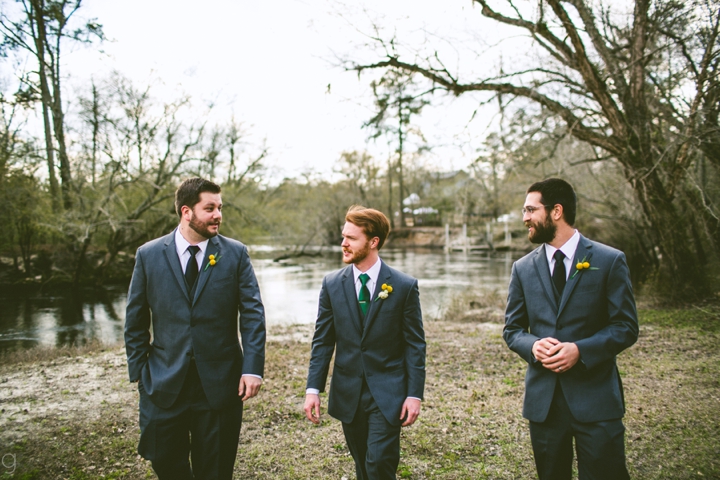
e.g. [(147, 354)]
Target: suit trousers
[(189, 429), (373, 442), (600, 445)]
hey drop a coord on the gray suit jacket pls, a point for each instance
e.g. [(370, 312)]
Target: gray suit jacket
[(389, 352), (205, 326), (596, 312)]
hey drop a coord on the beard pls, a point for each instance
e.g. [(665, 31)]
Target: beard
[(201, 228), (542, 232), (356, 256)]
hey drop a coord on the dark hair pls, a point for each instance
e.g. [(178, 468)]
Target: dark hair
[(373, 222), (556, 191), (188, 193)]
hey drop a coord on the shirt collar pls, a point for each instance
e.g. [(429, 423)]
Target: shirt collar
[(568, 248), (181, 244), (372, 272)]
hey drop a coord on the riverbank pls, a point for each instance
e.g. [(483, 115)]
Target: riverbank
[(69, 414), (49, 276)]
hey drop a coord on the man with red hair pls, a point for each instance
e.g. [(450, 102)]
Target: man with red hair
[(369, 315)]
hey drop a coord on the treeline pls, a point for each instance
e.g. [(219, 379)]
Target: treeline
[(637, 81), (128, 151), (624, 105)]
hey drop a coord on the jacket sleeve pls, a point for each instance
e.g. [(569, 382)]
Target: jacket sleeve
[(622, 329), (414, 343), (252, 318), (137, 320), (323, 343), (517, 323)]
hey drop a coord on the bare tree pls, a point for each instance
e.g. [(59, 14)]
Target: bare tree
[(397, 100), (641, 88), (40, 28), (362, 172)]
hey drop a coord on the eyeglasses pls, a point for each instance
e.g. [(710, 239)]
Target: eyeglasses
[(532, 210)]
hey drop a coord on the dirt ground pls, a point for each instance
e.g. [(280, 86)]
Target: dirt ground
[(73, 415)]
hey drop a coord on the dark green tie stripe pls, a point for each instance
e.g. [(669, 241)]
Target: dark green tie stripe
[(364, 297)]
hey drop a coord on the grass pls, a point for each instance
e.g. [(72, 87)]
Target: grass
[(48, 354), (470, 426)]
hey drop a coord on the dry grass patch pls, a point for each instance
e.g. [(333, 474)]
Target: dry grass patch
[(75, 417)]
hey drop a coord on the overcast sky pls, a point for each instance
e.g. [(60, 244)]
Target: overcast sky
[(270, 63)]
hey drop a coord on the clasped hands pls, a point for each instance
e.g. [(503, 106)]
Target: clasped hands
[(410, 409), (555, 355)]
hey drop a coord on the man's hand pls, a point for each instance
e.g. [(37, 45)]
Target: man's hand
[(312, 408), (410, 411), (249, 387), (561, 357), (541, 348)]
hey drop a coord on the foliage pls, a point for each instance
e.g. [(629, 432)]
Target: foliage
[(640, 89), (397, 101), (40, 28)]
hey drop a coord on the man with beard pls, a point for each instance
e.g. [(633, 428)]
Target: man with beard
[(369, 315), (181, 337), (570, 311)]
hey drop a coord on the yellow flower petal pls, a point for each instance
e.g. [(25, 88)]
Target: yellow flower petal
[(211, 257), (212, 261), (586, 264), (580, 266), (389, 289)]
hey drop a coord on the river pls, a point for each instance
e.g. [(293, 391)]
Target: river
[(289, 290)]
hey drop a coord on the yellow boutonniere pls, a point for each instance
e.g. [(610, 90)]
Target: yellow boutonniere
[(583, 265), (385, 290), (212, 260)]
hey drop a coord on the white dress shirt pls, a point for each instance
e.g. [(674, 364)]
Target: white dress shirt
[(181, 246), (184, 254), (568, 249), (372, 272)]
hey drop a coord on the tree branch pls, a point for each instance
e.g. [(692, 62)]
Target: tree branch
[(580, 131)]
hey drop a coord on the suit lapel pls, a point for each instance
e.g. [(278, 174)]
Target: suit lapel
[(375, 304), (543, 271), (174, 261), (583, 251), (348, 286), (213, 248)]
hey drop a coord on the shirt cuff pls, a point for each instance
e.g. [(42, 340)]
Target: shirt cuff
[(416, 398), (251, 375), (312, 391)]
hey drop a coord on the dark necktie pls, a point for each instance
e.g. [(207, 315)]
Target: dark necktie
[(559, 276), (191, 269), (364, 297)]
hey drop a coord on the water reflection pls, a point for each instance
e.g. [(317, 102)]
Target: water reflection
[(289, 290)]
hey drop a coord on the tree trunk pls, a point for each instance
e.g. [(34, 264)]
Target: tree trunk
[(390, 193), (39, 39), (401, 135), (680, 272), (59, 128)]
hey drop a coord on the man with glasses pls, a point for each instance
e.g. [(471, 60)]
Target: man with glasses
[(570, 311)]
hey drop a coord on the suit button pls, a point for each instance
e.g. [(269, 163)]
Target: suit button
[(364, 349), (559, 327)]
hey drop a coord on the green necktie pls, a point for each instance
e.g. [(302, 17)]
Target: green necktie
[(364, 297)]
